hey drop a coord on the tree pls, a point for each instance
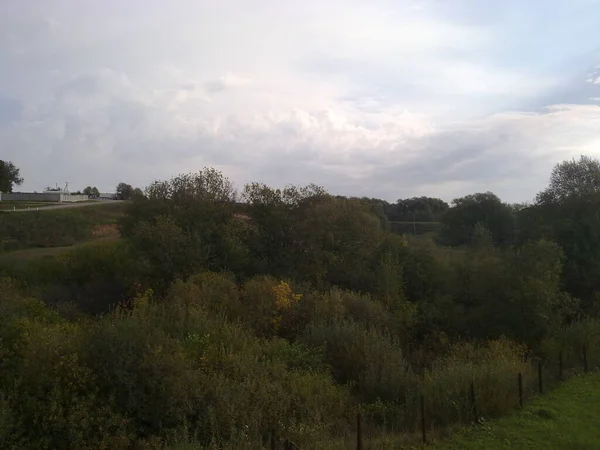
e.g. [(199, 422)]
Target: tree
[(124, 191), (198, 216), (137, 194), (417, 209), (9, 176), (459, 223), (87, 191), (95, 192), (573, 178)]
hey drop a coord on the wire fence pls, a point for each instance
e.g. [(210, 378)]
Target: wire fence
[(421, 421)]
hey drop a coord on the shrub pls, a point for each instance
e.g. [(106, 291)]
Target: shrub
[(492, 367)]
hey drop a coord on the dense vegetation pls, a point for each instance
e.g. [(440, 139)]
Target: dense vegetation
[(220, 318)]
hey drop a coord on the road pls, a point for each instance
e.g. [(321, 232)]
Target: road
[(64, 206)]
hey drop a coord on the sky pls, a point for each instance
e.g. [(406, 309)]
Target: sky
[(385, 98)]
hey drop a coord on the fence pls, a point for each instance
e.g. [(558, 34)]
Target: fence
[(424, 421)]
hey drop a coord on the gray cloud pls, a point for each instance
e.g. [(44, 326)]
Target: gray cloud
[(398, 99)]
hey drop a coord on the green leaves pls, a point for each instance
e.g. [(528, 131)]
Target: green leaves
[(9, 176)]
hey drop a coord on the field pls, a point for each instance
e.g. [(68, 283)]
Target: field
[(30, 235), (9, 205), (567, 418)]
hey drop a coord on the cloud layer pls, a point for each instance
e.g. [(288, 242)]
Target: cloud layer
[(386, 99)]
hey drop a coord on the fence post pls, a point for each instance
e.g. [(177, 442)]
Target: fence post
[(473, 402), (359, 445), (540, 383), (423, 430), (560, 365), (273, 441), (520, 379), (585, 361)]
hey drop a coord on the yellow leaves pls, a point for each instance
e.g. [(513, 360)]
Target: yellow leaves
[(141, 300), (284, 300), (284, 297)]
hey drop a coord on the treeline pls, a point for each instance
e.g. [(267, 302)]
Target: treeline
[(222, 317)]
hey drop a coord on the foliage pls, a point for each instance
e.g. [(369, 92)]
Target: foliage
[(124, 191), (417, 209), (573, 178), (217, 319), (460, 221), (9, 176)]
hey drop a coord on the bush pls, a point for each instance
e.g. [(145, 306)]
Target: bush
[(492, 367), (369, 359)]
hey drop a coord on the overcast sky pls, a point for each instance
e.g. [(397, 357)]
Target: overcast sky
[(383, 98)]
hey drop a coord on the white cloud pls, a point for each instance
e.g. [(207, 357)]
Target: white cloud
[(387, 98)]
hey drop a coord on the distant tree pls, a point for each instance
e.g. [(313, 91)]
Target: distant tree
[(9, 176), (95, 192), (417, 209), (87, 190), (137, 194), (124, 191), (573, 178), (468, 215)]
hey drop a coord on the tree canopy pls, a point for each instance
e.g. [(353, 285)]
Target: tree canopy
[(572, 178), (124, 191), (484, 210), (9, 176)]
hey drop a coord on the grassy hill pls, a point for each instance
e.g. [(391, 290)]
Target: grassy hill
[(567, 418), (55, 229)]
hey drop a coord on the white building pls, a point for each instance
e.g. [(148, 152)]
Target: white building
[(48, 196)]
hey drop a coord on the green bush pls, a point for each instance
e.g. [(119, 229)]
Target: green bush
[(492, 367)]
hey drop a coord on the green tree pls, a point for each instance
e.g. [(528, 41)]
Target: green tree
[(573, 178), (9, 176), (95, 192), (87, 190), (459, 223), (138, 194), (124, 191), (566, 212), (417, 209), (196, 212)]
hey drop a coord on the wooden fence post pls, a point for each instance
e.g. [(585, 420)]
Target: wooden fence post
[(560, 365), (520, 379), (273, 441), (540, 383), (423, 430), (473, 402), (359, 445)]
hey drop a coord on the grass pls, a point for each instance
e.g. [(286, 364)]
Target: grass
[(9, 205), (567, 418), (32, 254), (40, 234)]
